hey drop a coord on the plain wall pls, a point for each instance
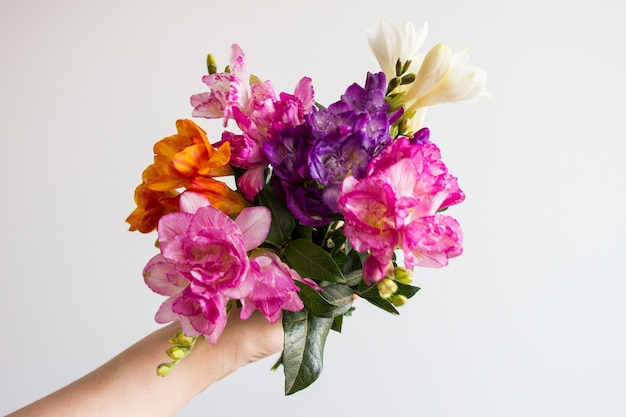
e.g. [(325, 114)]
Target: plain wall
[(528, 322)]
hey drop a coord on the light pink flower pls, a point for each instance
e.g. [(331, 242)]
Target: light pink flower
[(203, 263), (274, 288), (396, 206), (226, 90)]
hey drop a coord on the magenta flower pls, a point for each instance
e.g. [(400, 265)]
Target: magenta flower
[(431, 240), (203, 263), (274, 288), (369, 206), (395, 206)]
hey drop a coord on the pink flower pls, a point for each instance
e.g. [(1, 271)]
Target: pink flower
[(227, 90), (203, 263), (369, 208), (431, 240), (396, 206), (259, 124), (274, 288), (252, 103)]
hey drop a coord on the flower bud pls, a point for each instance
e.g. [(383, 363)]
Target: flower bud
[(164, 369), (406, 66), (399, 67), (177, 352), (211, 64), (182, 340), (386, 288), (393, 84), (398, 300), (403, 275), (408, 79)]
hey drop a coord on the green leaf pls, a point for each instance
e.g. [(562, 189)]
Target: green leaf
[(353, 278), (340, 259), (305, 232), (303, 354), (407, 290), (353, 262), (311, 261), (337, 324), (283, 222), (330, 302), (371, 294), (383, 304)]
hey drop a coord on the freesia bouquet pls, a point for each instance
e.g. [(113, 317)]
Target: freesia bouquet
[(324, 199)]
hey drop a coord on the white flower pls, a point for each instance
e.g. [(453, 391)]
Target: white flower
[(441, 77), (444, 78), (390, 43)]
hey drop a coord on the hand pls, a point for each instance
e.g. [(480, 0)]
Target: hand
[(112, 389)]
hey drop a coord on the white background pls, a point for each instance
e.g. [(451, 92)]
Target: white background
[(530, 321)]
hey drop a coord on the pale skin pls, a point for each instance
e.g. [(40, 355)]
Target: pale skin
[(127, 385)]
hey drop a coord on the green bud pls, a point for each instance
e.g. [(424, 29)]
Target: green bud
[(394, 131), (165, 368), (182, 340), (211, 65), (393, 83), (386, 288), (177, 352), (408, 79), (398, 300), (399, 67), (403, 126), (405, 67), (330, 244), (395, 100), (401, 274)]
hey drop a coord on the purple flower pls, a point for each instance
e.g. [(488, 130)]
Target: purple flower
[(349, 133), (288, 153), (371, 98), (304, 200)]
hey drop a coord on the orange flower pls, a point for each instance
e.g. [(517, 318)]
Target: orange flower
[(187, 155), (185, 160), (151, 205)]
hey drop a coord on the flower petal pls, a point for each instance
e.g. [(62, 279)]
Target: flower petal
[(254, 223), (191, 202), (161, 276)]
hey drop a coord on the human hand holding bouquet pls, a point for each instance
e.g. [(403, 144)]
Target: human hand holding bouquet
[(324, 198)]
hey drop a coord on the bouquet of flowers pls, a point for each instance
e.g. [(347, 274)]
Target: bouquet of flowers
[(325, 197)]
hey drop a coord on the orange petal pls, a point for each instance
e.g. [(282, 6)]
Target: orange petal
[(220, 195), (151, 206), (217, 163), (191, 130), (188, 161)]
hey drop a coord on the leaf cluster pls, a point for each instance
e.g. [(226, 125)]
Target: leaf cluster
[(322, 255)]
